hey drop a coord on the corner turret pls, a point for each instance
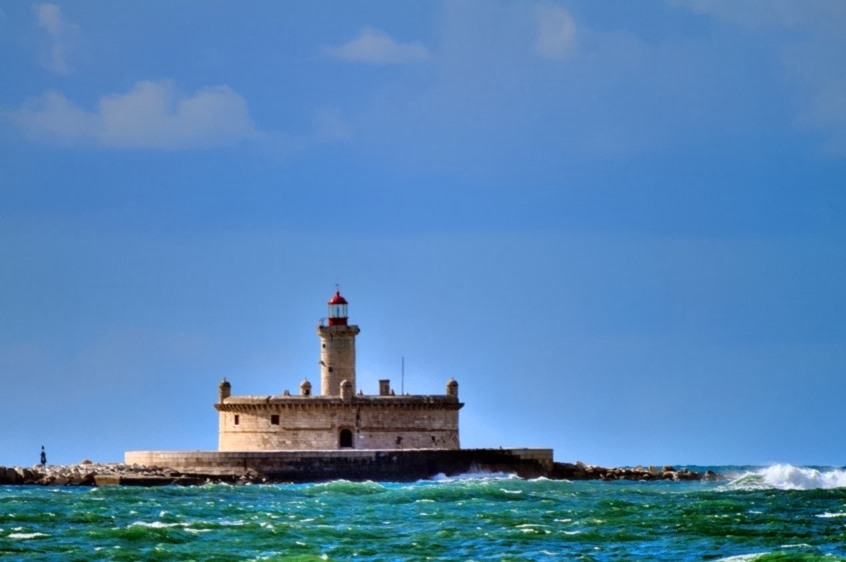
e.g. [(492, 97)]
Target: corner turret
[(452, 388), (305, 388), (224, 391)]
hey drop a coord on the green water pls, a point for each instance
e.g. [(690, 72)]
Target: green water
[(481, 518)]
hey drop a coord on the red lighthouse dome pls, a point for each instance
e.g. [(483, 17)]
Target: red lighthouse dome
[(338, 310)]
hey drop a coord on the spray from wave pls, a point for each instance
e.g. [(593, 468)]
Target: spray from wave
[(789, 477), (473, 476)]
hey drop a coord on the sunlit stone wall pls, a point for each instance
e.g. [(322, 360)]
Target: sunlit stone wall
[(325, 423)]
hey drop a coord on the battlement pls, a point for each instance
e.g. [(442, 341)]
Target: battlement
[(232, 403)]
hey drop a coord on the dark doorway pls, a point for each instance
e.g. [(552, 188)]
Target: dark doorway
[(346, 438)]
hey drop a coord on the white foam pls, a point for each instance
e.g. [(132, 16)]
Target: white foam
[(474, 476), (25, 536), (155, 524), (757, 555), (743, 557), (789, 477), (828, 515)]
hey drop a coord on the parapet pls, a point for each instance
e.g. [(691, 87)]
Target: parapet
[(244, 403)]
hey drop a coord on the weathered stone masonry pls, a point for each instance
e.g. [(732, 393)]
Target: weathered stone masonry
[(337, 418)]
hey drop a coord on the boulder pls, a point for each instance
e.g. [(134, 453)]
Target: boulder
[(26, 475), (8, 475)]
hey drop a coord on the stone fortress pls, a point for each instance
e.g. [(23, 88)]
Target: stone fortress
[(339, 433), (338, 417)]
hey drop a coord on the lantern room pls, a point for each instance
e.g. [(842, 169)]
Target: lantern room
[(338, 310)]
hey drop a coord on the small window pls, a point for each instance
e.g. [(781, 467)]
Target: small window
[(330, 369), (345, 439), (237, 419), (274, 419)]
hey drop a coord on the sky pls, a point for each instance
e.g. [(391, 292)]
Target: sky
[(620, 226)]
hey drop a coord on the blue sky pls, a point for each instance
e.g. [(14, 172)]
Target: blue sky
[(620, 226)]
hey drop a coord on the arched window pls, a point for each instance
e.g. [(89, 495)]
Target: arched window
[(345, 439)]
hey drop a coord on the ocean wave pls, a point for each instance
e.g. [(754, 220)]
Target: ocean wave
[(473, 476), (157, 524), (346, 487), (789, 477), (26, 536), (744, 557), (793, 552)]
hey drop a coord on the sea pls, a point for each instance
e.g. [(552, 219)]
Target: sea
[(780, 512)]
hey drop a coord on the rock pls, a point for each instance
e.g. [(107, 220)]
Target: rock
[(26, 475), (8, 475), (82, 480)]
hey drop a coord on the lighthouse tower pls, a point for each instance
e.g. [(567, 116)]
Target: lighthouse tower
[(337, 349)]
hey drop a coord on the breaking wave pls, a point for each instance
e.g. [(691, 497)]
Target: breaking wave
[(789, 477)]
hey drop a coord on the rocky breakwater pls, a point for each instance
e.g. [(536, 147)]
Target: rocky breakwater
[(87, 473), (581, 471)]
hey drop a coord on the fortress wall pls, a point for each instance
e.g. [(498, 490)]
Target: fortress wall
[(411, 419), (372, 426), (388, 428), (403, 438), (386, 465), (298, 429)]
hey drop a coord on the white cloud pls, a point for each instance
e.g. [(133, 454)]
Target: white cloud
[(377, 47), (61, 35), (50, 18), (809, 37), (823, 106), (821, 14), (556, 32), (151, 116)]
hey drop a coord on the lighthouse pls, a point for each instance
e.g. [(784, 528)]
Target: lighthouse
[(341, 416), (337, 349)]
